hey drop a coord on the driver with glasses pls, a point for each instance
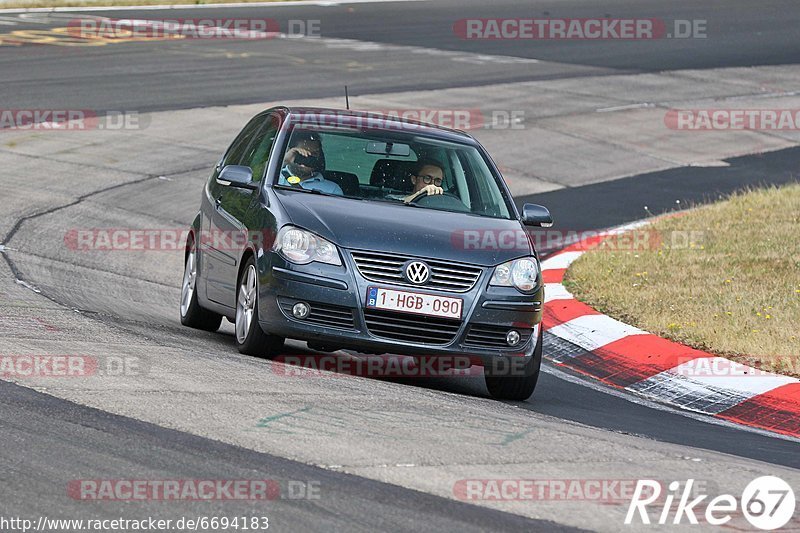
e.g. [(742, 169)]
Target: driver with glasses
[(427, 179)]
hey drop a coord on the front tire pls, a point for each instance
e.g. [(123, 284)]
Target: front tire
[(192, 315), (250, 338), (516, 388)]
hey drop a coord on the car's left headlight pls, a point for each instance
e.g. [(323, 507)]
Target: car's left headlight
[(519, 273), (302, 247)]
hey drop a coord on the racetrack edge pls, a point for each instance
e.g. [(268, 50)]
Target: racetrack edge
[(625, 357)]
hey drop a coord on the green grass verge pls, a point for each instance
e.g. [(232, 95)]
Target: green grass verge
[(724, 278)]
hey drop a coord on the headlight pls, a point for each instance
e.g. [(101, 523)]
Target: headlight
[(519, 273), (302, 247)]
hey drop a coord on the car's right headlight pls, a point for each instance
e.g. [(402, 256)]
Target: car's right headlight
[(519, 273), (302, 247)]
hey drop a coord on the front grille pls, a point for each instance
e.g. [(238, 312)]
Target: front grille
[(490, 336), (332, 316), (411, 328), (388, 268)]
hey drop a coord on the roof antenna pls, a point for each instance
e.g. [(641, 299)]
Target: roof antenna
[(346, 98)]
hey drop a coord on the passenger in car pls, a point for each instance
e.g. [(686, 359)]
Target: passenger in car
[(303, 165), (426, 178)]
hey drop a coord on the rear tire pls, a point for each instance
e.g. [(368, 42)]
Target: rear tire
[(192, 315), (250, 338), (517, 388)]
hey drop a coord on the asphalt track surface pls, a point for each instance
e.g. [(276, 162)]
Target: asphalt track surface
[(42, 429), (189, 75), (199, 73)]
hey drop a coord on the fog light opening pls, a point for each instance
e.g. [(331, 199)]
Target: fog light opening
[(512, 337), (300, 310)]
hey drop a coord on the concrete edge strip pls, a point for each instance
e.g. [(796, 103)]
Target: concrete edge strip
[(626, 357)]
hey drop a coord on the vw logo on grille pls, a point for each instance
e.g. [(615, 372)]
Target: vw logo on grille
[(417, 272)]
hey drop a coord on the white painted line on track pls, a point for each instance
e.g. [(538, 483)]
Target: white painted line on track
[(643, 105)]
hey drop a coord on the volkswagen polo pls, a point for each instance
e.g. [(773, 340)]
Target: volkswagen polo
[(371, 233)]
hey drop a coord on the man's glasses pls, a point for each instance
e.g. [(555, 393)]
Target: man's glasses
[(427, 179)]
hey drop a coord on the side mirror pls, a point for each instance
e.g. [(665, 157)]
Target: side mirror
[(536, 215), (237, 176)]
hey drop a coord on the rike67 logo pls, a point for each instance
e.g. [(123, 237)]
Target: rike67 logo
[(767, 503)]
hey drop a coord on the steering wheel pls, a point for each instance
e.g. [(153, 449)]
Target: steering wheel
[(446, 200)]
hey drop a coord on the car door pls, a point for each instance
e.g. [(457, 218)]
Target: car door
[(228, 228)]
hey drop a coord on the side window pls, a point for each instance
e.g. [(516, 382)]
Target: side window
[(240, 144), (257, 153)]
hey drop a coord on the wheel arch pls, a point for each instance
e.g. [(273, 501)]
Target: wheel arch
[(194, 230)]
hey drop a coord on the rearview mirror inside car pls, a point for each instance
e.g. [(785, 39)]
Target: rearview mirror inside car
[(397, 149), (536, 215), (237, 176)]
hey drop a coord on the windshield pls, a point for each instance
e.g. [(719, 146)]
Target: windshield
[(391, 166)]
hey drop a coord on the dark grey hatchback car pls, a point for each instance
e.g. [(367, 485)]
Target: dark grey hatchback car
[(371, 233)]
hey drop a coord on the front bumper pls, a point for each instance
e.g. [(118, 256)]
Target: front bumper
[(489, 312)]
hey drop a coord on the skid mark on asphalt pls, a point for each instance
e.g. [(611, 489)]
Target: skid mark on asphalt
[(265, 422), (29, 325), (514, 437), (336, 422)]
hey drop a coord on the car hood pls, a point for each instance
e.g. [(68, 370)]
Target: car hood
[(400, 229)]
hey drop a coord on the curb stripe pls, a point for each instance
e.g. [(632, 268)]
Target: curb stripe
[(777, 410), (560, 311), (635, 358), (591, 343), (556, 291), (560, 351), (586, 244), (757, 383), (560, 260), (553, 275), (649, 355), (593, 331), (689, 394)]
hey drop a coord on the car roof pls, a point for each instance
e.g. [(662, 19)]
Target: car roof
[(346, 117)]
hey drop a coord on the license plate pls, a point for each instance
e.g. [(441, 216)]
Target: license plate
[(415, 303)]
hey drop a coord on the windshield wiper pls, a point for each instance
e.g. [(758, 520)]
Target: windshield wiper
[(315, 191), (300, 189)]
